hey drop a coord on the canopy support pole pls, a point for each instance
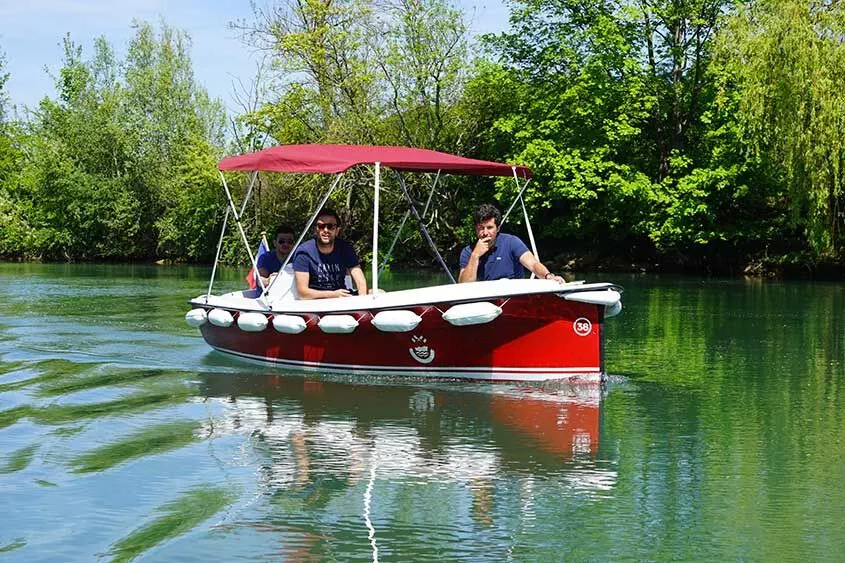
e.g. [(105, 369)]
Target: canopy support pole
[(527, 221), (375, 229), (431, 194), (249, 191), (404, 220), (217, 256), (524, 213), (241, 228), (518, 196), (223, 230), (530, 233), (422, 226), (395, 240), (307, 228)]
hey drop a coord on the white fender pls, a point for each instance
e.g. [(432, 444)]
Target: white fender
[(338, 324), (607, 297), (252, 322), (472, 313), (613, 310), (221, 318), (396, 321), (196, 317), (288, 324)]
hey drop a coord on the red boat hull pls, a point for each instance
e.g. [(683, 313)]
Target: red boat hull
[(537, 337)]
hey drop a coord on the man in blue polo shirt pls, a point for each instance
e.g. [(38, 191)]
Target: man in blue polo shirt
[(498, 255)]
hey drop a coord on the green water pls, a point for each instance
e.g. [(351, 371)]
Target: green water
[(719, 436)]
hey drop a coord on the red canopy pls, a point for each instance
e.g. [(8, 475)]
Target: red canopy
[(332, 159)]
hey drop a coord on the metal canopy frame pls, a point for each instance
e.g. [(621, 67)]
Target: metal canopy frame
[(231, 209)]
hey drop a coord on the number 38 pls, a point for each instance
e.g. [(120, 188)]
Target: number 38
[(582, 326)]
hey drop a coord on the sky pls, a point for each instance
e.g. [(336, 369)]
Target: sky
[(31, 33)]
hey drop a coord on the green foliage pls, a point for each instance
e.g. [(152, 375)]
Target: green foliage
[(786, 61), (4, 98), (357, 72), (573, 102), (196, 204), (13, 226), (125, 152), (633, 132), (695, 132)]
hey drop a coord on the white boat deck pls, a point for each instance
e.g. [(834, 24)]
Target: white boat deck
[(449, 293)]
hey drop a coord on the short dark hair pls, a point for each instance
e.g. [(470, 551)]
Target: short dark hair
[(330, 213), (282, 229), (487, 211)]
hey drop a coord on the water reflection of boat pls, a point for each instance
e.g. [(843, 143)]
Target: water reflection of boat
[(430, 431), (511, 329), (341, 463), (565, 428)]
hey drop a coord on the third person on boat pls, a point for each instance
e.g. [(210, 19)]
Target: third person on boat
[(497, 255)]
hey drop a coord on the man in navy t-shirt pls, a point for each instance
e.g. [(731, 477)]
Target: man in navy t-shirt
[(270, 263), (498, 255), (320, 265)]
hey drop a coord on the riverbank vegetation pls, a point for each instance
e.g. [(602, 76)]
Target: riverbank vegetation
[(700, 135)]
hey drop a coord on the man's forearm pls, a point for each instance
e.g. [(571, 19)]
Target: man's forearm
[(542, 272), (309, 293), (360, 281), (539, 270), (469, 273), (533, 265)]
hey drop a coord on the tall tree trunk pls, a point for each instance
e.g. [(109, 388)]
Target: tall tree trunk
[(677, 139), (659, 123)]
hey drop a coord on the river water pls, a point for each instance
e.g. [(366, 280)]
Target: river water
[(720, 435)]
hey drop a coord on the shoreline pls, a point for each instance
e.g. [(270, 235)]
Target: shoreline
[(571, 264)]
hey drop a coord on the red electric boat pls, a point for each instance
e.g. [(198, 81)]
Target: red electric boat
[(512, 329)]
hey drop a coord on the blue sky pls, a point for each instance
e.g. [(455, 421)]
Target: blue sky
[(31, 33)]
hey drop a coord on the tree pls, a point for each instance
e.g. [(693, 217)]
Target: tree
[(678, 37), (576, 101), (321, 51), (173, 125), (110, 167), (354, 71), (4, 97), (13, 226), (615, 105), (423, 63), (76, 175), (7, 155), (785, 59)]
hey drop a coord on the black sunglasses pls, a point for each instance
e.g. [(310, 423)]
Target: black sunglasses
[(284, 241), (329, 226)]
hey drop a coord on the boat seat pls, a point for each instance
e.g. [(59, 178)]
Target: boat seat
[(284, 286)]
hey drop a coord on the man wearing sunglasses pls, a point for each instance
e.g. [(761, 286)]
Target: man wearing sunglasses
[(270, 263), (321, 264), (498, 255)]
